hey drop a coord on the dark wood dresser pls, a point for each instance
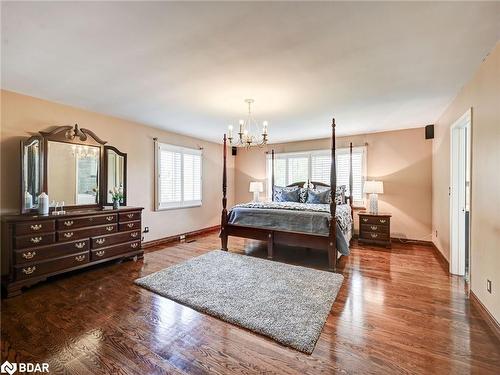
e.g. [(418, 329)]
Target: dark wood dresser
[(35, 247), (375, 228)]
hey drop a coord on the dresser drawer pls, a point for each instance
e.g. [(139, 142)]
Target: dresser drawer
[(375, 236), (122, 227), (375, 228), (86, 221), (34, 227), (112, 239), (73, 234), (49, 266), (35, 254), (374, 220), (129, 216), (111, 251), (34, 240)]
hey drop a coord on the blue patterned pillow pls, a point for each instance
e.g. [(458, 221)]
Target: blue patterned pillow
[(303, 195), (318, 197), (339, 193), (286, 194)]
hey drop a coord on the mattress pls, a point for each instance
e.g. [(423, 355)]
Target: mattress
[(295, 217)]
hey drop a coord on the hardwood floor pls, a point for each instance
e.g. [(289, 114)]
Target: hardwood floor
[(397, 312)]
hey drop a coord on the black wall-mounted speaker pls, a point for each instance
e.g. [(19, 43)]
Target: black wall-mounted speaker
[(234, 151), (429, 132)]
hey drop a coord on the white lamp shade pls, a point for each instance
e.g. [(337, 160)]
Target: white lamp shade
[(256, 187), (374, 187)]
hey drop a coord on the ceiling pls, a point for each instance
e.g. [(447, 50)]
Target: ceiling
[(187, 67)]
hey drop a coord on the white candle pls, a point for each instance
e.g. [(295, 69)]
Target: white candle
[(230, 131), (241, 125), (264, 127)]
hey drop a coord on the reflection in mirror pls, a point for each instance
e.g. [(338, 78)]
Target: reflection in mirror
[(116, 174), (73, 173), (31, 173)]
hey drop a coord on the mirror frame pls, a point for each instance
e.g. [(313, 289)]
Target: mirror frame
[(74, 135), (41, 160), (105, 187)]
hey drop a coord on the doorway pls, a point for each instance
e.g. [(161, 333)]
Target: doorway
[(460, 186)]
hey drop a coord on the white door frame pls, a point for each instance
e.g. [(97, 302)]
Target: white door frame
[(458, 160)]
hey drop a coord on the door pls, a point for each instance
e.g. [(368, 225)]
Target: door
[(459, 195)]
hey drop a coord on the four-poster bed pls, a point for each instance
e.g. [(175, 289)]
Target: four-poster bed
[(323, 237)]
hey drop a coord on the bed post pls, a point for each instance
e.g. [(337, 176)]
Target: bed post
[(350, 184), (223, 234), (332, 240), (272, 175)]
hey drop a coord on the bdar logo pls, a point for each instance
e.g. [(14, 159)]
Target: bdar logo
[(8, 367)]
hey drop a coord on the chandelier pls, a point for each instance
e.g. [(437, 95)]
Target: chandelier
[(249, 131)]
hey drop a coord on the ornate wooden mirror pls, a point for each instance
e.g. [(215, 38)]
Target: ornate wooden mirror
[(32, 172), (72, 166), (115, 165)]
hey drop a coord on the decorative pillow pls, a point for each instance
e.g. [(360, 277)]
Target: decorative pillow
[(286, 194), (303, 195), (318, 197), (339, 193)]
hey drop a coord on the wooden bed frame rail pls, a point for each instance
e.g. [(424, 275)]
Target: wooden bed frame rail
[(273, 236)]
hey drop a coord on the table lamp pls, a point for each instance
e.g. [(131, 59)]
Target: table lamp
[(374, 188), (256, 187)]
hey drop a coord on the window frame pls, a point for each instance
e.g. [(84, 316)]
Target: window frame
[(165, 206), (357, 203)]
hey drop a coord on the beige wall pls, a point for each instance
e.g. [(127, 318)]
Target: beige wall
[(482, 93), (401, 159), (23, 115)]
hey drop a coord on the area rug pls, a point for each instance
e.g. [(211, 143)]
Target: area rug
[(287, 303)]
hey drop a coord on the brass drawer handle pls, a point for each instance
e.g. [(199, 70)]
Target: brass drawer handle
[(130, 225), (36, 226), (29, 270), (130, 216), (100, 241), (374, 227), (100, 253), (35, 239), (80, 245), (68, 234), (109, 228), (29, 255), (382, 221), (134, 234), (80, 258), (134, 245), (109, 218), (68, 223), (374, 235), (365, 219)]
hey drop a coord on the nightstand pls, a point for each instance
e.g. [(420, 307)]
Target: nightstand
[(375, 228)]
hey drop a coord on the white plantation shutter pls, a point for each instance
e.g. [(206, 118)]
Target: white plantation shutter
[(315, 166), (179, 179), (358, 175), (298, 169), (280, 173), (170, 173), (192, 178), (320, 168), (343, 171)]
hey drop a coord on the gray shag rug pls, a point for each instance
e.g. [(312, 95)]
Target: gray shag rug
[(288, 303)]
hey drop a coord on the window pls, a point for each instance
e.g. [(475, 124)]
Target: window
[(178, 182), (315, 166)]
